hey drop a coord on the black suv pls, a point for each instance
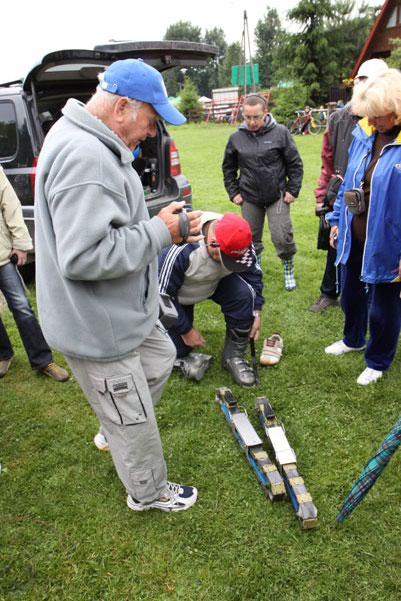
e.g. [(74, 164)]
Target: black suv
[(29, 108)]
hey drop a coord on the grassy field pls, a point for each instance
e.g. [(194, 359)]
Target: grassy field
[(65, 531)]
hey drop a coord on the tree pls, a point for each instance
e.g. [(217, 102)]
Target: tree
[(394, 60), (231, 57), (210, 74), (183, 31), (347, 32), (327, 46), (268, 34), (313, 58), (189, 97), (284, 101), (204, 78)]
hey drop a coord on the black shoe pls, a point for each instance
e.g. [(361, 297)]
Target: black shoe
[(323, 303)]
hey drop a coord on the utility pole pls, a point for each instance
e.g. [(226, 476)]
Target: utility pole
[(245, 42)]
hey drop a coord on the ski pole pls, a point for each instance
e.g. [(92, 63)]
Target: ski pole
[(253, 355)]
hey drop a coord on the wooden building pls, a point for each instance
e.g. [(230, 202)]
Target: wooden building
[(386, 27)]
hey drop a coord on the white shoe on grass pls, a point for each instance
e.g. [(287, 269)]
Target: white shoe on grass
[(101, 442), (175, 497), (340, 348), (368, 376)]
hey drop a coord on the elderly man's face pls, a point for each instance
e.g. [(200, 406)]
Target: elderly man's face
[(137, 129)]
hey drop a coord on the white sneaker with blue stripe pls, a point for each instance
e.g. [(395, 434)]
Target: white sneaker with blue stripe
[(175, 497)]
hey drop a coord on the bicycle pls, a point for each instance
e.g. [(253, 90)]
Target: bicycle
[(296, 126)]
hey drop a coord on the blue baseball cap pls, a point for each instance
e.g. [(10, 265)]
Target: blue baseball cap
[(139, 81)]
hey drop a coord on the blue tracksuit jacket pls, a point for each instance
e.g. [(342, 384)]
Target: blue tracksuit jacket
[(382, 251)]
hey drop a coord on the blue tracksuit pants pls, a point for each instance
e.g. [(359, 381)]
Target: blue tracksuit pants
[(236, 298), (378, 305)]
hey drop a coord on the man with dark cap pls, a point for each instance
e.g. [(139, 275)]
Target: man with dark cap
[(221, 267), (97, 270)]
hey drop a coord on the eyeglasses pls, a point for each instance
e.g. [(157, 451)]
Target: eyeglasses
[(253, 117), (382, 117), (213, 244)]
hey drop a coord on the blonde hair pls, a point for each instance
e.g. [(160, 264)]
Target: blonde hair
[(378, 96)]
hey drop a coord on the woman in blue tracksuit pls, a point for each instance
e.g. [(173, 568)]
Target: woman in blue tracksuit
[(368, 230)]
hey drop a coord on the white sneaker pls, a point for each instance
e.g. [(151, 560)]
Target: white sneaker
[(368, 376), (339, 348), (101, 442), (272, 350), (176, 497)]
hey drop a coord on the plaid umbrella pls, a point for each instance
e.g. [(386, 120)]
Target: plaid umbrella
[(371, 471)]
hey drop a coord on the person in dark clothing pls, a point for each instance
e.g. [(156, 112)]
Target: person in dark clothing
[(336, 141), (263, 172)]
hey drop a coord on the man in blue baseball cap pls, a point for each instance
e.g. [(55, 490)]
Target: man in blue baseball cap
[(137, 80), (97, 283)]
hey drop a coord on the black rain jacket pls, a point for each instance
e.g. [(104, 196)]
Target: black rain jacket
[(268, 162)]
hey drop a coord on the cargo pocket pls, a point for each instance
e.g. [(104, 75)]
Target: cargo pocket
[(119, 398), (143, 483)]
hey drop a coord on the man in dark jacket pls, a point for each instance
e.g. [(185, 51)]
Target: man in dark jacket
[(263, 173), (336, 141)]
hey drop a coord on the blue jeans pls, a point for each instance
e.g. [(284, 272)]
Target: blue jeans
[(36, 347)]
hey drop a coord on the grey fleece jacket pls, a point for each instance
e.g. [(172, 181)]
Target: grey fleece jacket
[(96, 247)]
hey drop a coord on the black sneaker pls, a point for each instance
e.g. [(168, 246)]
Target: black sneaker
[(323, 303), (175, 497)]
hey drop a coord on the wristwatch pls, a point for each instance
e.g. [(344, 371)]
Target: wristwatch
[(257, 313)]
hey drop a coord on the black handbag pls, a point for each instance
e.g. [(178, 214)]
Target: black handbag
[(323, 235)]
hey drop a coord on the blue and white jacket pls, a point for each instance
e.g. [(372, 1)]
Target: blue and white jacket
[(382, 251), (189, 275)]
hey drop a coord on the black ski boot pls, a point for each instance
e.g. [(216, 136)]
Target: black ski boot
[(194, 365), (233, 358)]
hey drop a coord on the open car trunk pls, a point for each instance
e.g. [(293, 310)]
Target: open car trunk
[(68, 74)]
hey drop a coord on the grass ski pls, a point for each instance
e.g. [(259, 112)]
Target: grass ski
[(286, 461), (251, 445)]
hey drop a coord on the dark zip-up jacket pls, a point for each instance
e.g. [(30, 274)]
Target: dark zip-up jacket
[(268, 163), (336, 142)]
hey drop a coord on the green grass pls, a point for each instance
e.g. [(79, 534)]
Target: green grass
[(65, 531)]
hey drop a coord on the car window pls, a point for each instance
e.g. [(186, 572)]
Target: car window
[(8, 129)]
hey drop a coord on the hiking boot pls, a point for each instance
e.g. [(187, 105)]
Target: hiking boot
[(55, 372), (323, 303), (101, 442), (5, 366), (368, 376), (272, 350), (289, 278), (233, 358), (194, 365), (175, 497), (340, 348)]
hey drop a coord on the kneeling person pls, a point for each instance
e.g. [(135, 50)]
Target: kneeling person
[(223, 268)]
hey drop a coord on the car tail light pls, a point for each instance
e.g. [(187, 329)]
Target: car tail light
[(175, 165), (33, 174), (186, 191)]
